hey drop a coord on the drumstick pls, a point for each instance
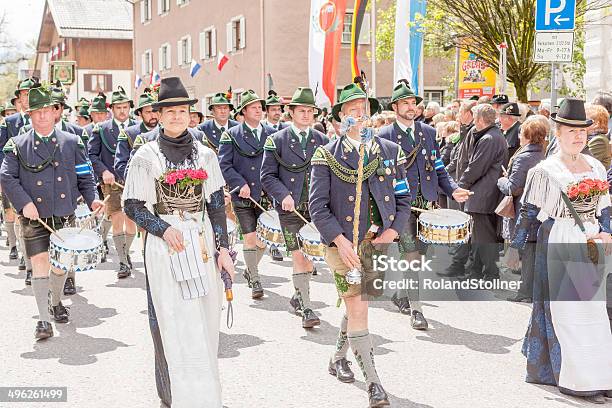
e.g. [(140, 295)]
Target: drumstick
[(51, 230), (305, 220), (95, 212)]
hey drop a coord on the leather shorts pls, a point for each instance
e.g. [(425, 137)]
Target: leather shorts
[(291, 225), (113, 205), (36, 236)]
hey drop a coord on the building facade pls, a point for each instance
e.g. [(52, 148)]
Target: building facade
[(266, 42), (598, 36), (96, 38)]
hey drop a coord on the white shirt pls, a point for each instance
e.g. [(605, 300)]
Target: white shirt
[(258, 128), (357, 143), (225, 127), (297, 131), (49, 135), (405, 128), (58, 125), (125, 124)]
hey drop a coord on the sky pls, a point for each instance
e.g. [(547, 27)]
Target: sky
[(24, 18)]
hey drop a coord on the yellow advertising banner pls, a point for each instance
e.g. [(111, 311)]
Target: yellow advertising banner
[(476, 77)]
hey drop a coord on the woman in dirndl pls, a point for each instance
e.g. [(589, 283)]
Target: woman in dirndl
[(568, 342), (174, 190)]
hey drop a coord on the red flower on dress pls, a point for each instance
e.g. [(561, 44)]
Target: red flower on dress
[(185, 177)]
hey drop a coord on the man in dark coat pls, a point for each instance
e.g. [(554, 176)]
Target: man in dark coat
[(102, 147), (221, 108), (509, 116), (285, 176), (486, 156), (240, 156), (44, 172), (456, 167), (426, 175)]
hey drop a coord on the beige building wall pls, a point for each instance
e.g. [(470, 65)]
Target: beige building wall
[(276, 44)]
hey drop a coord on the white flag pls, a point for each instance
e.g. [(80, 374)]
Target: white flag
[(402, 68)]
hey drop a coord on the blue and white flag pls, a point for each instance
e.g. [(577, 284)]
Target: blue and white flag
[(195, 68), (137, 82)]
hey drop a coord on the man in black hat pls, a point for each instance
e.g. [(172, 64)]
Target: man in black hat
[(509, 116), (498, 101), (240, 156), (102, 148)]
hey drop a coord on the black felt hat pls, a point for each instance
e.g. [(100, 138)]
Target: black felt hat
[(173, 93), (511, 109), (571, 113)]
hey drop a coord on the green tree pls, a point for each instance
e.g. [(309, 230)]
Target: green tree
[(479, 27)]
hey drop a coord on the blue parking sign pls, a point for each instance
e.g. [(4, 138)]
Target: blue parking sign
[(555, 15)]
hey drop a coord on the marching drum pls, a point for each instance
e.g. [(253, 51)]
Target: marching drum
[(75, 251), (444, 226), (269, 230), (83, 217), (312, 247)]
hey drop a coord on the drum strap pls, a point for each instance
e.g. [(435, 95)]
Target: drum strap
[(241, 152), (291, 167), (38, 168), (105, 142)]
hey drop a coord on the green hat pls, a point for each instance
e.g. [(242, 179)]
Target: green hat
[(119, 96), (58, 96), (194, 109), (273, 99), (350, 93), (221, 98), (303, 97), (84, 111), (402, 91), (82, 102), (145, 99), (26, 85), (7, 106), (247, 98), (98, 104), (39, 97)]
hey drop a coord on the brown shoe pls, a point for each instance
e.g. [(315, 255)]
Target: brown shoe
[(256, 291), (309, 319)]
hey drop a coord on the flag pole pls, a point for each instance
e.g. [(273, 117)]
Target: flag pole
[(373, 48)]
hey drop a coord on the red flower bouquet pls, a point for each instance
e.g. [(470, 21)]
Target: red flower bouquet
[(184, 178), (587, 188)]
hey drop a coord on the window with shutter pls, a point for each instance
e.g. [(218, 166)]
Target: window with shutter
[(188, 46), (149, 9), (242, 33), (347, 26), (160, 6), (160, 58), (142, 11), (203, 45), (213, 42), (179, 52), (228, 37)]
